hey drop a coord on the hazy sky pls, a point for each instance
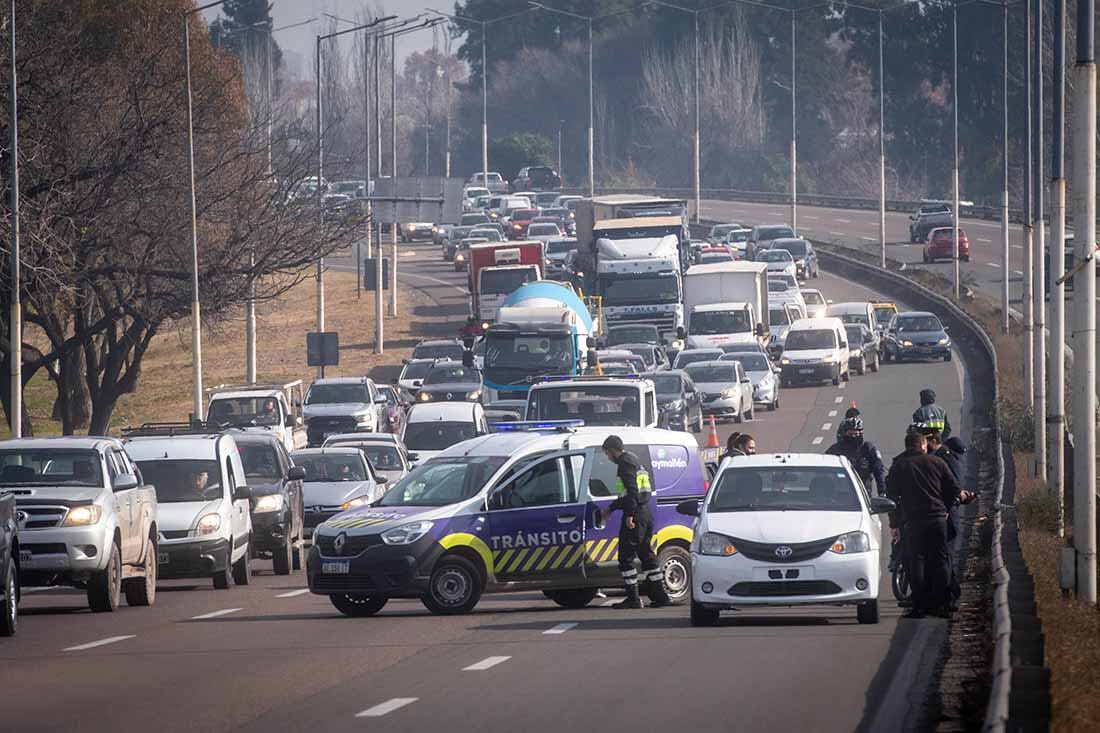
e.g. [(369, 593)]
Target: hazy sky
[(300, 41)]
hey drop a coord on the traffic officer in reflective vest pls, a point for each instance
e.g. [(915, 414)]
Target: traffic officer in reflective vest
[(636, 530), (932, 415)]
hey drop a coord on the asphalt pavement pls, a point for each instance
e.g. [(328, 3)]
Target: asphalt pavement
[(272, 657)]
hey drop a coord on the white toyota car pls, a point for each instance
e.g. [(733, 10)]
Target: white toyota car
[(785, 530)]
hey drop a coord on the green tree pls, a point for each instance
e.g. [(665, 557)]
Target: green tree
[(519, 149), (229, 31)]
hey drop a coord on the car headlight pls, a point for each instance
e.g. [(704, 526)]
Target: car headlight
[(517, 227), (424, 396), (460, 257), (944, 341), (906, 343), (435, 230), (406, 534), (268, 503), (364, 419), (716, 544), (785, 362), (673, 406), (410, 227), (730, 392), (82, 516), (851, 542), (208, 524), (357, 501), (473, 394)]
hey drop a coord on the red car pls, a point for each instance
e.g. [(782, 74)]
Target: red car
[(941, 245), (518, 223)]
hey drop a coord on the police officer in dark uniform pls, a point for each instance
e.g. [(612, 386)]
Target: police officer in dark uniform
[(863, 455), (932, 415), (636, 530)]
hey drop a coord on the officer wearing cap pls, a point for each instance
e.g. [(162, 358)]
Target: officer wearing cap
[(932, 415), (636, 530)]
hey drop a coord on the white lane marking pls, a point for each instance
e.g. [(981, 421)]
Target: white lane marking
[(809, 216), (844, 221), (983, 239), (962, 380), (827, 426), (842, 385), (387, 707), (832, 413), (94, 644), (868, 239), (291, 594), (560, 628), (817, 440), (1018, 246), (1017, 272), (215, 614), (837, 234), (838, 400), (484, 664), (993, 264)]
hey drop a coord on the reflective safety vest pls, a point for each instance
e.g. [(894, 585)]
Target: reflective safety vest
[(644, 485), (933, 416)]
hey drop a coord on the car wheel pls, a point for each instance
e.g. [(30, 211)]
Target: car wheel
[(105, 586), (242, 569), (703, 616), (874, 364), (454, 587), (143, 591), (571, 598), (947, 356), (862, 366), (675, 563), (357, 605), (867, 612), (223, 579), (739, 417), (283, 558), (846, 376), (899, 583), (9, 609), (773, 405)]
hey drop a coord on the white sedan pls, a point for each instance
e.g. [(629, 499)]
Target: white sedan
[(778, 261), (785, 530)]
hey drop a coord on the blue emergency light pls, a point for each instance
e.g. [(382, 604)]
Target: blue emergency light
[(531, 426)]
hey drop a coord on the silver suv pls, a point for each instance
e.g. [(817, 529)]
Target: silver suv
[(342, 405)]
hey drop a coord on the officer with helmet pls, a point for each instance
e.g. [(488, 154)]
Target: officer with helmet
[(636, 530), (863, 455), (932, 415)]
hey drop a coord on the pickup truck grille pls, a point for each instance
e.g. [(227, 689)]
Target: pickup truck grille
[(318, 426), (43, 517), (665, 322)]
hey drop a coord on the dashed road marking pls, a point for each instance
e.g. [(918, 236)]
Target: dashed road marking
[(844, 221), (868, 239), (1017, 272), (837, 234), (817, 440), (484, 664), (101, 642), (838, 399), (291, 594), (809, 216), (560, 628), (832, 413), (993, 264), (387, 707), (215, 614), (842, 385), (983, 239), (827, 426)]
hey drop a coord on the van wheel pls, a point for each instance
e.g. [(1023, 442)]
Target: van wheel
[(774, 405), (105, 587), (455, 586), (9, 609), (846, 376), (242, 569), (675, 562), (703, 616), (223, 579), (571, 598), (867, 612), (357, 605), (947, 357), (282, 559), (143, 591)]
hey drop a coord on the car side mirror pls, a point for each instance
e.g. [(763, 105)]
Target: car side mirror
[(689, 508), (296, 473), (946, 329), (290, 422), (746, 380), (760, 330), (418, 382), (242, 493), (681, 333), (882, 505), (125, 481), (413, 457), (381, 479)]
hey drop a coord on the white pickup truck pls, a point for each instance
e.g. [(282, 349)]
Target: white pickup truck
[(599, 401), (260, 407), (85, 518)]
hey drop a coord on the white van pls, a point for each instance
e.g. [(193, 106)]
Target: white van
[(816, 350), (432, 427), (857, 313)]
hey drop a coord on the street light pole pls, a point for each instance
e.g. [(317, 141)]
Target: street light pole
[(794, 135), (591, 138), (1055, 417), (15, 356), (955, 109), (1028, 234), (1005, 270), (1038, 284), (561, 126), (393, 154), (320, 276), (196, 316), (698, 174), (881, 148)]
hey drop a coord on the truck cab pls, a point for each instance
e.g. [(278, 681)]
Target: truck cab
[(342, 405), (595, 400), (497, 269), (273, 408), (719, 324), (639, 278)]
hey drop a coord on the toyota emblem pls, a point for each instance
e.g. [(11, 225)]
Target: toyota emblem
[(782, 552), (21, 518), (339, 542)]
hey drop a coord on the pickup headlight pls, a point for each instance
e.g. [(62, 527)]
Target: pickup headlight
[(785, 362), (364, 418), (406, 534), (82, 516), (906, 342), (713, 543), (208, 524), (944, 341), (459, 257), (851, 542), (730, 392), (473, 394), (268, 503), (672, 406), (424, 396), (356, 502)]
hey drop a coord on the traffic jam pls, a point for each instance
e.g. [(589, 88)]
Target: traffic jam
[(564, 442)]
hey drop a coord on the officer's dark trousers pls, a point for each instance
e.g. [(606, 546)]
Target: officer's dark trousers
[(637, 543), (954, 589), (928, 563)]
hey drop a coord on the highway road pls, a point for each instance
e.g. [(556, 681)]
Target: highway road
[(272, 657)]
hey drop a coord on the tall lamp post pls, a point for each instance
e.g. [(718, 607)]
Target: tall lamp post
[(16, 326)]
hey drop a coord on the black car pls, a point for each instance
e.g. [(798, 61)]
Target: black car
[(439, 349), (536, 178), (802, 252), (917, 335), (450, 382), (862, 348), (277, 505), (9, 565), (678, 403), (634, 333)]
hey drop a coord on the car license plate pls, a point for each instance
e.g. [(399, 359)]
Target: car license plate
[(162, 558), (806, 370), (24, 557), (337, 567)]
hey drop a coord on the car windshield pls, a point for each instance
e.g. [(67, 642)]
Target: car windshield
[(684, 358), (437, 434), (658, 288), (764, 234), (715, 322), (438, 351), (604, 404), (796, 248), (777, 286), (786, 278), (443, 481), (720, 230), (812, 297), (50, 468), (543, 230), (562, 247), (738, 235), (244, 411), (488, 235), (809, 340), (919, 323), (632, 335), (472, 219), (416, 370), (779, 317), (643, 352), (768, 489), (710, 373), (459, 233), (383, 456), (260, 460), (774, 255), (883, 313), (855, 334), (666, 384), (182, 480), (750, 362), (555, 211), (506, 281), (332, 394), (451, 375), (330, 467), (854, 318)]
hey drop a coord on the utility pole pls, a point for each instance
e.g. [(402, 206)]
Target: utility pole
[(1005, 270), (320, 276), (794, 127), (16, 324), (591, 139), (393, 151), (881, 148), (1038, 285), (379, 304), (196, 314), (1055, 416), (1028, 302), (484, 107), (561, 126), (366, 145), (1084, 306), (698, 173), (955, 166)]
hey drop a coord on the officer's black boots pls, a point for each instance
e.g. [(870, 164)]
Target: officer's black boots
[(658, 593), (632, 599)]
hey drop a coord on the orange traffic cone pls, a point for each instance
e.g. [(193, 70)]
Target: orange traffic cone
[(712, 439)]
